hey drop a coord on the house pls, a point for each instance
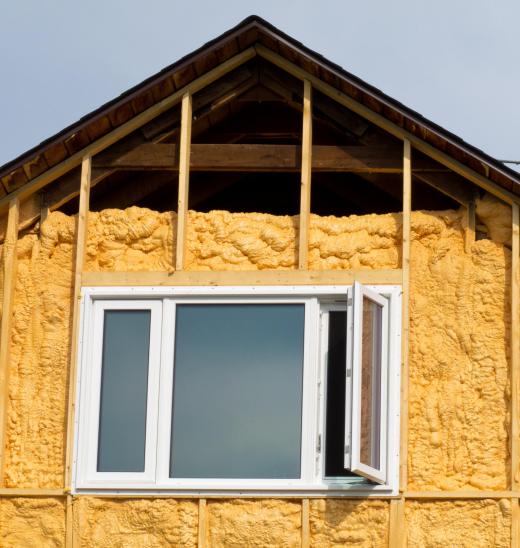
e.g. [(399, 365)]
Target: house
[(254, 301)]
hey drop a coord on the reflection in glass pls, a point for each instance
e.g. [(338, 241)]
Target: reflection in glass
[(124, 386), (370, 451), (237, 399)]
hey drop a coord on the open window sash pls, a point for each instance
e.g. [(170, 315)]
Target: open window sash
[(367, 377)]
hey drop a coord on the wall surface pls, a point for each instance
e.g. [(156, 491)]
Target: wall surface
[(459, 393)]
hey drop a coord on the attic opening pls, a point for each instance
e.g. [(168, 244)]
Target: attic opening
[(246, 150)]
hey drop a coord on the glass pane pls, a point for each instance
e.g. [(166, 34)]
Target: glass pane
[(335, 397), (237, 399), (371, 384), (124, 386)]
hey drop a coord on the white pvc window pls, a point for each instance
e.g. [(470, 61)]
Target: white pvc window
[(245, 389), (369, 384)]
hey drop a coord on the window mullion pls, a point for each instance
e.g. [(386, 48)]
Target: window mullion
[(165, 392)]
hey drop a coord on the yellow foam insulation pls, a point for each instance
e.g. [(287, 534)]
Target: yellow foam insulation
[(32, 522), (460, 318), (460, 524), (130, 240), (259, 523), (355, 242), (458, 373), (336, 523), (40, 345), (134, 523)]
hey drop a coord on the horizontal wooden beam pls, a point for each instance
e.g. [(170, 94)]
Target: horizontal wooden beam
[(22, 492), (454, 495), (240, 157), (261, 277)]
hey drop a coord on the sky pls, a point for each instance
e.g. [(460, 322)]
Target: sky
[(455, 61)]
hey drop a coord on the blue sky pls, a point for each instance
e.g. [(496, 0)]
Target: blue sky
[(456, 62)]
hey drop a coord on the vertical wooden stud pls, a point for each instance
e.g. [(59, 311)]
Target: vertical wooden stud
[(515, 523), (515, 345), (203, 524), (407, 206), (396, 534), (306, 174), (184, 179), (9, 267), (81, 241), (44, 208), (469, 230), (69, 525), (306, 525)]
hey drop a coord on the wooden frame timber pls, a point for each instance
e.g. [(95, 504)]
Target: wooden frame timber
[(306, 175), (203, 524), (515, 523), (81, 241), (396, 532), (515, 347), (274, 158), (261, 277), (306, 526), (9, 272), (407, 206), (515, 372), (184, 179), (469, 229)]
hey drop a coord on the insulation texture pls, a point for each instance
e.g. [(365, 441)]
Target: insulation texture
[(464, 524), (458, 372), (254, 523), (349, 523), (108, 523), (32, 522), (459, 333)]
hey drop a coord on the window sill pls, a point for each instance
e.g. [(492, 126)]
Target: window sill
[(351, 489)]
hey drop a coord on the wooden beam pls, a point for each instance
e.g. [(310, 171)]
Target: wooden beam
[(459, 495), (396, 532), (249, 157), (515, 347), (451, 184), (387, 125), (69, 522), (216, 95), (203, 524), (44, 208), (407, 206), (470, 224), (306, 524), (515, 523), (184, 180), (9, 268), (260, 277), (306, 175), (79, 262), (124, 129), (28, 492)]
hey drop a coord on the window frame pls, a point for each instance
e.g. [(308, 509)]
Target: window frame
[(312, 479)]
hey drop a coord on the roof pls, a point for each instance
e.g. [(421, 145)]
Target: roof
[(253, 30)]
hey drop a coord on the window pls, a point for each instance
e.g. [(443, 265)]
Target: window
[(250, 389)]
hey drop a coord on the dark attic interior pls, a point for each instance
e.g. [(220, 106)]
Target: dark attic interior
[(246, 156)]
